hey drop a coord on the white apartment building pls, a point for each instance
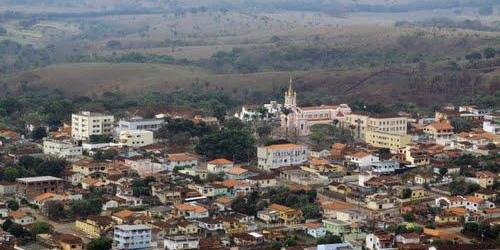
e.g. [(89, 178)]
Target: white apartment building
[(135, 138), (280, 155), (132, 237), (85, 123), (138, 123), (62, 149), (181, 242)]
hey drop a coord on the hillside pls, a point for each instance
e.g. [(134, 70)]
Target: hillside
[(388, 86)]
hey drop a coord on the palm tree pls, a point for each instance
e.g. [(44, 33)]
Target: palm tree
[(286, 111)]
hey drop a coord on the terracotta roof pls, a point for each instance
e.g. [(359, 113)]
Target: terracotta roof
[(337, 206), (313, 225), (237, 171), (190, 207), (322, 107), (224, 200), (124, 214), (485, 174), (220, 161), (474, 199), (68, 238), (440, 125), (361, 154), (181, 157), (286, 146), (319, 162), (280, 208), (18, 214), (457, 211), (44, 196)]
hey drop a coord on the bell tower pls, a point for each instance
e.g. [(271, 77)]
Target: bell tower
[(290, 96)]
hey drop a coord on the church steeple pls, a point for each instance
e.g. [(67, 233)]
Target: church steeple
[(290, 96)]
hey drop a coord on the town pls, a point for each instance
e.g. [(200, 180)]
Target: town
[(271, 176)]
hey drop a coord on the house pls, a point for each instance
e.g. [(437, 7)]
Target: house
[(135, 138), (68, 241), (181, 242), (209, 224), (268, 216), (408, 238), (21, 217), (85, 124), (439, 130), (474, 204), (248, 239), (62, 149), (123, 217), (95, 226), (330, 209), (219, 165), (132, 237), (181, 160), (191, 211), (379, 202), (287, 215), (262, 181), (351, 216), (450, 202), (239, 173), (88, 167), (424, 178), (361, 159), (7, 188), (315, 230), (454, 215), (485, 179), (337, 227), (380, 241), (280, 155), (486, 194)]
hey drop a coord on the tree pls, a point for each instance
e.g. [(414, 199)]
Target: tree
[(473, 56), (238, 145), (101, 243), (40, 228), (460, 125), (491, 146), (17, 230), (409, 217), (489, 53), (311, 211), (38, 133), (13, 205), (6, 224), (406, 194), (55, 210), (329, 239)]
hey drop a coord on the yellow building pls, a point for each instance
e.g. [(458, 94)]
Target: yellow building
[(95, 226), (288, 215), (69, 242), (450, 216), (387, 140)]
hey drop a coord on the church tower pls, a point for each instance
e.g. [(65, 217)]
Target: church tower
[(290, 96)]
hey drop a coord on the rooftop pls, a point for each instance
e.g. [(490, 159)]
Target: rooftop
[(38, 179)]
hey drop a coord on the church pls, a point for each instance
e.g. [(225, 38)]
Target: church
[(299, 120)]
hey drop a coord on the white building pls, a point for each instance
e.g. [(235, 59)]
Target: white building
[(380, 241), (181, 242), (61, 149), (219, 165), (362, 159), (316, 230), (491, 127), (280, 155), (86, 124), (385, 166), (132, 237), (138, 123), (135, 138)]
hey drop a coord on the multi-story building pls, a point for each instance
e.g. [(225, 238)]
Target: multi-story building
[(31, 187), (280, 155), (439, 130), (95, 226), (181, 242), (138, 123), (62, 149), (135, 138), (391, 141), (361, 123), (491, 127), (132, 237), (85, 124)]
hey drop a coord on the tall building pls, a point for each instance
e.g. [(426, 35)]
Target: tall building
[(139, 123), (85, 124), (132, 237), (31, 187), (383, 123), (299, 120), (280, 155)]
